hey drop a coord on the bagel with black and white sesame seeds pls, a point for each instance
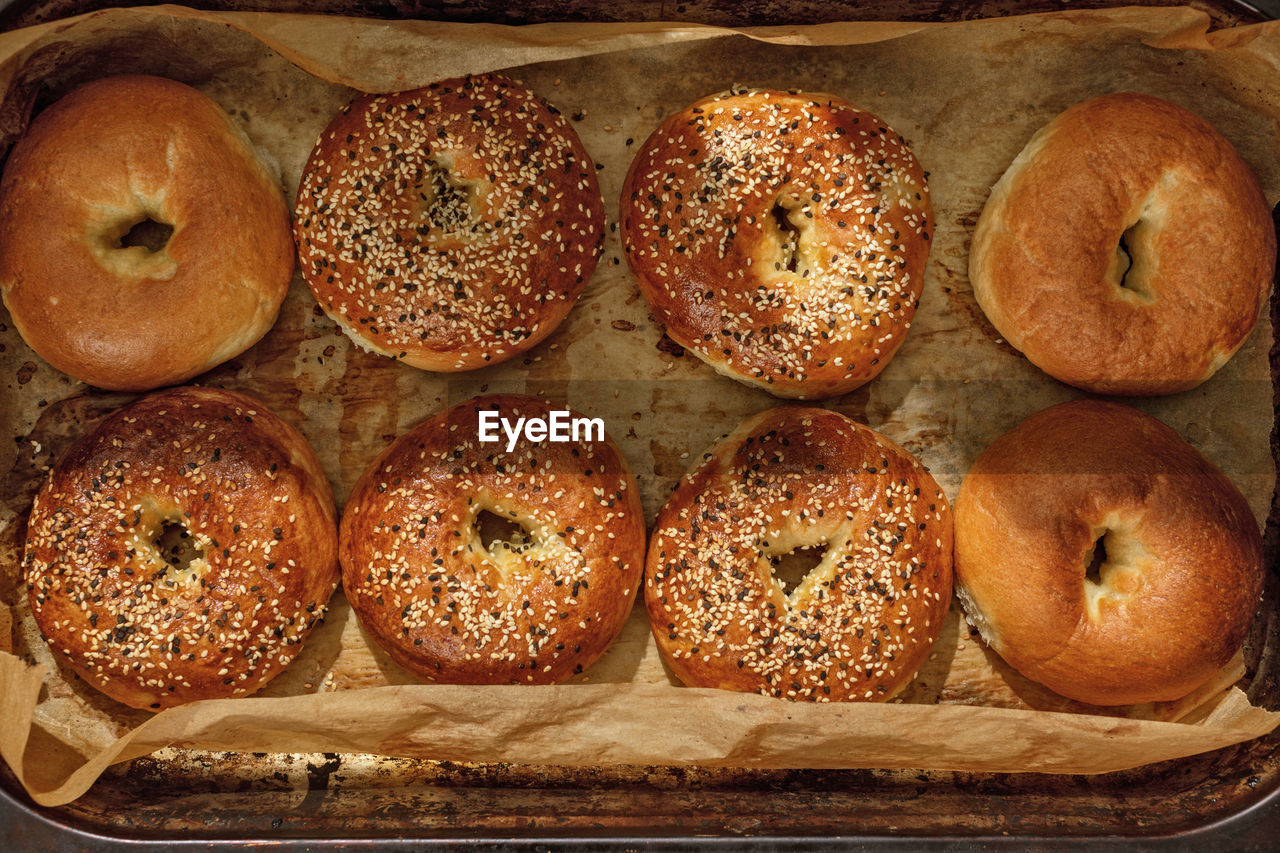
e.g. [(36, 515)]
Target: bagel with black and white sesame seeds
[(182, 550), (781, 237), (861, 622), (451, 226), (535, 604)]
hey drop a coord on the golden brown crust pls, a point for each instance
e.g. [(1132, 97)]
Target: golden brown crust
[(107, 156), (1183, 572), (454, 609), (862, 622), (451, 226), (1047, 270), (253, 497), (810, 308)]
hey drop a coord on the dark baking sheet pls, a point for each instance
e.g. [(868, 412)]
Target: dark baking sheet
[(729, 13), (1226, 800)]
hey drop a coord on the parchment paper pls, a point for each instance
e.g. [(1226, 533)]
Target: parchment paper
[(967, 95)]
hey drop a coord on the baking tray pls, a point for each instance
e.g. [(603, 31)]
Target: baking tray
[(1224, 800)]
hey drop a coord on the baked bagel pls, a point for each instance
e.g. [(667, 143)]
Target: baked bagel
[(182, 550), (1127, 250), (103, 164), (780, 237), (453, 603), (451, 226), (861, 622), (1102, 556)]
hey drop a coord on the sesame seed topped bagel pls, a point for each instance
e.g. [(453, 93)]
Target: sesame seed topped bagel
[(455, 603), (780, 237), (183, 549), (1102, 556), (1128, 249), (95, 294), (451, 226), (861, 622)]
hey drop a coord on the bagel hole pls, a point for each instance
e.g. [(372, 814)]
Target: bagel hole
[(789, 236), (443, 200), (792, 568), (1125, 269), (177, 547), (502, 532), (792, 227), (148, 233), (1125, 256), (1097, 559)]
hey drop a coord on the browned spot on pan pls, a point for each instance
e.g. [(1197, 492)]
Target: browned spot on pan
[(370, 407), (670, 347), (959, 292), (668, 462)]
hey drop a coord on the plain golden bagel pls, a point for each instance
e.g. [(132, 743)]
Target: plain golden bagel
[(456, 603), (861, 622), (135, 151), (780, 237), (1127, 250), (1102, 556), (451, 226), (207, 472)]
